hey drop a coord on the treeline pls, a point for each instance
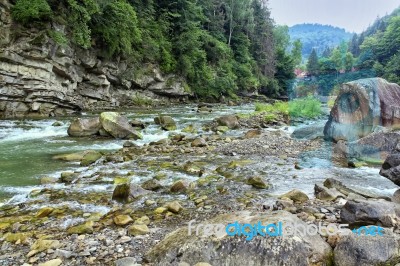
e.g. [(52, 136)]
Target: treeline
[(221, 47), (373, 53)]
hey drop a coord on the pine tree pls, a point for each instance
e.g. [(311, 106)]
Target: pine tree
[(312, 64)]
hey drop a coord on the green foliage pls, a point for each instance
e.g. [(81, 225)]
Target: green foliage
[(278, 107), (79, 18), (140, 100), (312, 63), (58, 37), (308, 107), (118, 27), (26, 11)]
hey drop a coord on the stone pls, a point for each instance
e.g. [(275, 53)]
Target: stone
[(257, 182), (68, 177), (122, 220), (230, 121), (118, 126), (396, 196), (125, 192), (70, 157), (90, 157), (327, 194), (189, 129), (85, 228), (199, 142), (174, 207), (137, 124), (166, 122), (143, 220), (296, 195), (55, 262), (298, 249), (252, 133), (44, 212), (57, 124), (370, 212), (222, 129), (179, 186), (43, 245), (128, 261), (160, 210), (152, 185), (366, 250), (391, 168), (360, 107), (84, 127), (346, 190), (138, 229)]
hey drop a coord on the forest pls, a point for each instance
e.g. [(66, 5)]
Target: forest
[(372, 53), (228, 47)]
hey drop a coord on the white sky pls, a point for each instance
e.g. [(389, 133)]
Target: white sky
[(353, 15)]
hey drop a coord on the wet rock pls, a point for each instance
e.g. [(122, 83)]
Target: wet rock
[(126, 192), (84, 127), (391, 168), (57, 124), (354, 250), (179, 186), (118, 126), (360, 107), (396, 196), (189, 129), (68, 177), (230, 121), (85, 228), (76, 156), (327, 194), (296, 195), (90, 157), (182, 247), (166, 122), (199, 142), (55, 262), (174, 207), (222, 129), (313, 131), (257, 182), (152, 185), (370, 212), (346, 190), (143, 220), (137, 124), (252, 133), (44, 212), (129, 144), (122, 220), (48, 180), (138, 229)]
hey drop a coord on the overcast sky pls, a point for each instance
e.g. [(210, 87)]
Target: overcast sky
[(353, 15)]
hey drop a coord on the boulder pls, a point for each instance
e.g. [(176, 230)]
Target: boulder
[(90, 157), (366, 250), (346, 190), (138, 229), (179, 186), (126, 192), (370, 212), (257, 182), (122, 220), (230, 121), (166, 122), (252, 133), (295, 195), (174, 207), (85, 228), (361, 107), (199, 142), (183, 248), (327, 194), (118, 126), (391, 168), (84, 127)]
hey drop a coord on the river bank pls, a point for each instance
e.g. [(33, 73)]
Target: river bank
[(79, 218)]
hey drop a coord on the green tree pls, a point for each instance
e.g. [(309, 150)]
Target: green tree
[(312, 63), (296, 52), (26, 11)]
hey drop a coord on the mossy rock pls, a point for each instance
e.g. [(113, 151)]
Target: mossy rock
[(90, 157), (85, 228), (257, 182)]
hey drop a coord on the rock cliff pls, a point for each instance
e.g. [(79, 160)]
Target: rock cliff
[(38, 77)]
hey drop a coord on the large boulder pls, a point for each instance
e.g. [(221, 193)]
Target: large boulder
[(126, 192), (370, 212), (391, 168), (83, 127), (361, 107), (182, 248), (166, 122), (118, 126), (230, 121), (366, 250)]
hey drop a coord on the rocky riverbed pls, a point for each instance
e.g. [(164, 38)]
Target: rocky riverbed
[(118, 207)]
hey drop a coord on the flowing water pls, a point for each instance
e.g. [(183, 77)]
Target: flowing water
[(27, 147)]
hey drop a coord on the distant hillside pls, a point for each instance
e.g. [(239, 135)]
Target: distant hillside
[(318, 36)]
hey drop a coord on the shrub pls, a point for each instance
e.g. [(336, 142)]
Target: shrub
[(58, 37), (26, 11), (308, 107)]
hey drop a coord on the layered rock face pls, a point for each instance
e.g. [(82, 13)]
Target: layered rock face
[(361, 107), (41, 78)]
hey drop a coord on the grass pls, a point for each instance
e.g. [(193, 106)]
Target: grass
[(141, 100), (308, 107)]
